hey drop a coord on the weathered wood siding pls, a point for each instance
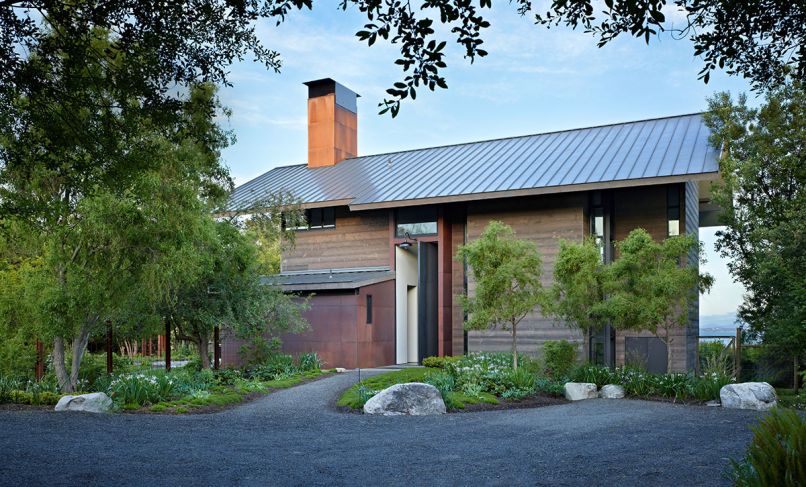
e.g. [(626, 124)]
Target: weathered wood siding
[(544, 221), (358, 240)]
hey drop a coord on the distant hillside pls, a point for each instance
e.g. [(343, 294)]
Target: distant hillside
[(724, 324)]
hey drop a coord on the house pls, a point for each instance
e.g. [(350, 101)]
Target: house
[(378, 252)]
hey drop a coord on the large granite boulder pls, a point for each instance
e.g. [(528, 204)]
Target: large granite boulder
[(612, 391), (414, 399), (577, 391), (748, 395), (97, 402)]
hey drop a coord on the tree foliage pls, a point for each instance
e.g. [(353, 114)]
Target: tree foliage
[(764, 209), (506, 272), (160, 45), (578, 290), (649, 288)]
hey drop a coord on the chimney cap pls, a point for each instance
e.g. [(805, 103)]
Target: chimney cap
[(345, 97)]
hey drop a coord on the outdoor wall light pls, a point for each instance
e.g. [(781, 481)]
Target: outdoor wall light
[(406, 245)]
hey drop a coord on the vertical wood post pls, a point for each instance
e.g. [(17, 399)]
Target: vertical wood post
[(216, 348), (737, 354), (167, 345), (40, 360), (109, 363)]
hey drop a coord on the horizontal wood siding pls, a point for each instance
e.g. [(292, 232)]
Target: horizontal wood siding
[(358, 240), (544, 221)]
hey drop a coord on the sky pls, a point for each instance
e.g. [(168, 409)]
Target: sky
[(533, 80)]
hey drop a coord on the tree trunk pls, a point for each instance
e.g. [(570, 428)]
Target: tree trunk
[(67, 382), (668, 341), (202, 345), (514, 347), (59, 367)]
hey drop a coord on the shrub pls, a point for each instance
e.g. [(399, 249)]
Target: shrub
[(228, 377), (559, 356), (550, 387), (7, 386), (443, 381), (141, 388), (310, 361), (595, 374), (440, 362), (777, 453), (278, 365)]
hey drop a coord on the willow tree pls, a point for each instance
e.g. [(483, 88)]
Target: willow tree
[(506, 274)]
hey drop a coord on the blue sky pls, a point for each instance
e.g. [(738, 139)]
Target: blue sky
[(533, 80)]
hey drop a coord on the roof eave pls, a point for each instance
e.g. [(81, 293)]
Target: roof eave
[(625, 183)]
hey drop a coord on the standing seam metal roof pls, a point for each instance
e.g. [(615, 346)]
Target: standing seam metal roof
[(671, 146)]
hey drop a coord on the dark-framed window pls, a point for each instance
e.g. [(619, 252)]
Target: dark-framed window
[(672, 210), (318, 218), (369, 309), (416, 221)]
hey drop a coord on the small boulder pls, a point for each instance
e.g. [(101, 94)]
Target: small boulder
[(612, 391), (413, 399), (577, 391), (748, 395), (97, 402), (340, 370)]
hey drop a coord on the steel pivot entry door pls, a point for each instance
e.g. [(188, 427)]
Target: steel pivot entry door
[(426, 300)]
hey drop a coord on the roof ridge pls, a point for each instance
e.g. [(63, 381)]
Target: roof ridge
[(522, 136), (404, 151)]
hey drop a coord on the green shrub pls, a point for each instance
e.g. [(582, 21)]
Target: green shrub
[(440, 362), (559, 357), (549, 387), (141, 388), (595, 374), (21, 397), (777, 453), (228, 376), (278, 365), (7, 386), (516, 384), (443, 381), (310, 361)]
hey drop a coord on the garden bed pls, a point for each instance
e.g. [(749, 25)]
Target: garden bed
[(225, 397), (476, 382)]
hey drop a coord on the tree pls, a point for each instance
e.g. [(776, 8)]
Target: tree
[(165, 44), (506, 272), (231, 293), (577, 295), (104, 199), (763, 200), (647, 288)]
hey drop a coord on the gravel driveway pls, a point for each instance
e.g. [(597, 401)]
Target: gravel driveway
[(296, 437)]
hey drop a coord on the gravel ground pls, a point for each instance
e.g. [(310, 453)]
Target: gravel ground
[(296, 436)]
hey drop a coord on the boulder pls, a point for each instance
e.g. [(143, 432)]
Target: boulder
[(97, 402), (414, 399), (577, 391), (340, 370), (612, 391), (748, 395)]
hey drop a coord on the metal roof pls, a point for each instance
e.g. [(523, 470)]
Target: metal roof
[(329, 279), (672, 148)]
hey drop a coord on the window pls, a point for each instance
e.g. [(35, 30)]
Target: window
[(416, 221), (673, 210), (600, 221), (318, 218), (369, 309)]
